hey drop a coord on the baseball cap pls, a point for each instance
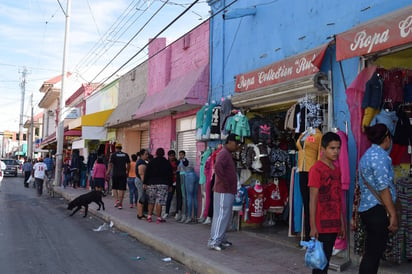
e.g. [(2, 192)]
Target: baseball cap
[(233, 137)]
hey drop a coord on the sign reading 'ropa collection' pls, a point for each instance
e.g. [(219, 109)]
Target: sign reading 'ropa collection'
[(382, 33), (288, 69)]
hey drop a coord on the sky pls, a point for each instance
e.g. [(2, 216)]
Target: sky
[(32, 40)]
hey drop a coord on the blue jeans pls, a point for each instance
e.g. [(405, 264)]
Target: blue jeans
[(191, 184), (67, 179), (132, 190)]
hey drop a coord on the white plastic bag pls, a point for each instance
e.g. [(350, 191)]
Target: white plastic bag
[(30, 180)]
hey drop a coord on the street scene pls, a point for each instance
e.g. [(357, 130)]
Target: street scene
[(217, 136)]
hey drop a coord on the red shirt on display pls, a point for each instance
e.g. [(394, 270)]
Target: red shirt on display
[(276, 195), (256, 200), (328, 207)]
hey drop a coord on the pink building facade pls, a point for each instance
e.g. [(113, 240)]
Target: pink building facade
[(177, 87)]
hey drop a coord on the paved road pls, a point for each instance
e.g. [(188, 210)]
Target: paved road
[(38, 236)]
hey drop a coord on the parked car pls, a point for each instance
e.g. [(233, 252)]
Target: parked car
[(12, 167)]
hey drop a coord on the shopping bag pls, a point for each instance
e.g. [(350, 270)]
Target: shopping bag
[(30, 180), (315, 258)]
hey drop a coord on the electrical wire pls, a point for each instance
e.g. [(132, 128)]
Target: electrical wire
[(114, 41), (134, 36), (102, 41), (157, 35)]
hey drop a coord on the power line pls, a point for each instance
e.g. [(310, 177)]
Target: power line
[(134, 36), (115, 39), (157, 35), (101, 41)]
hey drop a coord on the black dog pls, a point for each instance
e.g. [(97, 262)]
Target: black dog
[(85, 200)]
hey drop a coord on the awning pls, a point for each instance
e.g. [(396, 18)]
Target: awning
[(298, 66), (124, 112), (67, 135), (393, 29), (185, 93), (96, 119), (281, 82)]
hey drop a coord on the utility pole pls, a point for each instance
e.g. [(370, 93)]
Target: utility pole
[(30, 137), (23, 91), (60, 126)]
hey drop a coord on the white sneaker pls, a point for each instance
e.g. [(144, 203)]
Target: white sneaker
[(165, 215), (207, 221), (183, 219), (178, 216)]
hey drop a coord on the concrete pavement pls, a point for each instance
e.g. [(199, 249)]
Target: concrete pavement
[(186, 243)]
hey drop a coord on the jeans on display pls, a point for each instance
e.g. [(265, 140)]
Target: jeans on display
[(132, 190), (169, 199), (376, 227), (191, 185)]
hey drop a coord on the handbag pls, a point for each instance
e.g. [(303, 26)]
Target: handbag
[(315, 257), (397, 204)]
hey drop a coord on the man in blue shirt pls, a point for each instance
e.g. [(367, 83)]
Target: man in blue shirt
[(50, 165)]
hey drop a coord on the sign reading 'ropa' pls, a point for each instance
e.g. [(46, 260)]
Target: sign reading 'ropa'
[(382, 33), (288, 69)]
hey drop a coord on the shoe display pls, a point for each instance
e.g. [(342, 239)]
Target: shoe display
[(201, 220), (149, 219), (207, 221), (188, 220), (160, 220), (178, 216), (131, 206), (120, 206), (165, 215)]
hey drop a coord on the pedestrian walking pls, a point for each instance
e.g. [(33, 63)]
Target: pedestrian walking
[(39, 173), (120, 164), (225, 189), (27, 170), (99, 174), (131, 182), (326, 215), (50, 165), (157, 180), (376, 174)]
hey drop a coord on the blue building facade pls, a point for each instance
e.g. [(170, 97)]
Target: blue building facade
[(247, 35)]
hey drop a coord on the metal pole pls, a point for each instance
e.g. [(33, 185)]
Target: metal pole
[(60, 127), (23, 91), (31, 140)]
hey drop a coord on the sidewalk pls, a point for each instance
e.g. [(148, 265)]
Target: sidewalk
[(186, 243)]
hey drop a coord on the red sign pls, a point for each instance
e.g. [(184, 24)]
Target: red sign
[(382, 33), (288, 69)]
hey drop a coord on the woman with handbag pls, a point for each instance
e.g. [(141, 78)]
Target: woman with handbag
[(378, 194)]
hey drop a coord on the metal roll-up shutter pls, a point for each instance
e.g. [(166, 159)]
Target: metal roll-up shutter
[(144, 139), (186, 140)]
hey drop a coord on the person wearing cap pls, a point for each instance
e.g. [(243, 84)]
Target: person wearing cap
[(224, 189), (39, 172), (120, 164)]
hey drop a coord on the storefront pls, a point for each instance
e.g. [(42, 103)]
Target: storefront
[(384, 46)]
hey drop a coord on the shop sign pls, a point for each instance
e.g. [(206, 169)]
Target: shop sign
[(288, 69), (382, 33)]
